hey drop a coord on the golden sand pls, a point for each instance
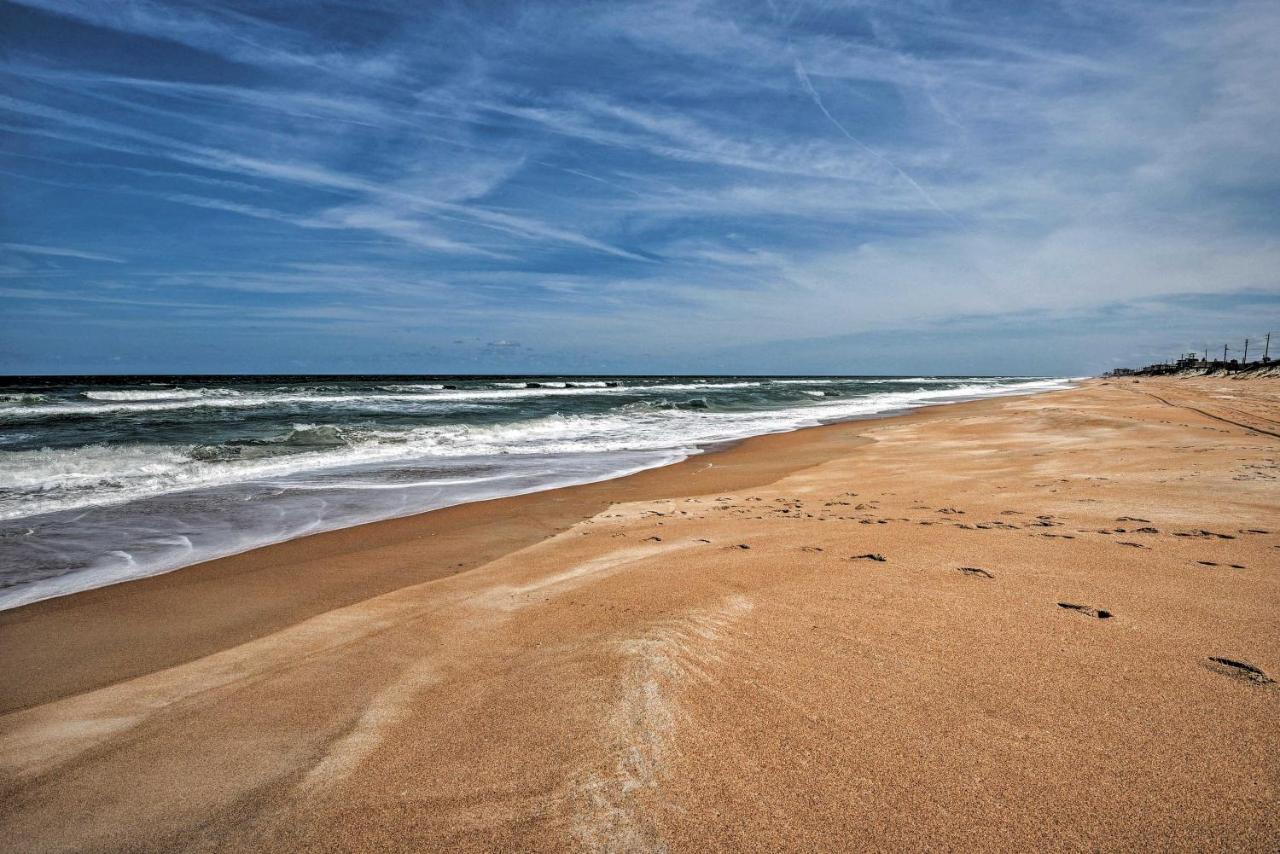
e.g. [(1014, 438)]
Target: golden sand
[(1024, 623)]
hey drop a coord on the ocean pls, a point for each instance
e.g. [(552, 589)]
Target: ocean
[(103, 480)]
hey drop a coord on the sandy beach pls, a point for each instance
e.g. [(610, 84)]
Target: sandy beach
[(1047, 622)]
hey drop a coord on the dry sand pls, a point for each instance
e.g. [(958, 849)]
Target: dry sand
[(851, 637)]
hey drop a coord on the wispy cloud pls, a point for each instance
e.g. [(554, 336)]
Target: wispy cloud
[(640, 177), (344, 217), (304, 174), (803, 76), (60, 252), (233, 35)]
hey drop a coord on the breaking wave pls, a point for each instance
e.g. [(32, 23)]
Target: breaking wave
[(156, 394), (42, 480), (99, 485)]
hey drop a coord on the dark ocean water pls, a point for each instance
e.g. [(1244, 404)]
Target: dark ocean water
[(106, 480)]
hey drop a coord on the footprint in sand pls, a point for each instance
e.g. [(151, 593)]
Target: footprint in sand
[(1099, 613), (1208, 535), (1242, 670), (975, 571)]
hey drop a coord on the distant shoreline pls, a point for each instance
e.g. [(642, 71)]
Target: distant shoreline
[(1254, 370), (117, 560), (74, 379)]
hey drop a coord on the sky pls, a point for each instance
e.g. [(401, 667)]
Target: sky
[(876, 186)]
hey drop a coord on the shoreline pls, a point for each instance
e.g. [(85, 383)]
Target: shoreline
[(61, 586), (71, 665), (1037, 621), (67, 662)]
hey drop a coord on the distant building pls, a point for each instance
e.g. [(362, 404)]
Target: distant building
[(1195, 363)]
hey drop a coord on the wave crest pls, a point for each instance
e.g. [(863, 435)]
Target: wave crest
[(141, 395)]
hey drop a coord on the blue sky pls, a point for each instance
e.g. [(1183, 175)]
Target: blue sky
[(382, 186)]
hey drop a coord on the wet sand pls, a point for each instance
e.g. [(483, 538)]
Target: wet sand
[(1043, 622)]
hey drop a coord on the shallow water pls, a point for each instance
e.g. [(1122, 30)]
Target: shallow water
[(104, 481)]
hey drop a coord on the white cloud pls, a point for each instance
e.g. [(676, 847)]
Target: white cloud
[(731, 171), (60, 252)]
